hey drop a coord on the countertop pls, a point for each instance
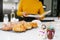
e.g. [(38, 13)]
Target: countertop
[(32, 34), (28, 35)]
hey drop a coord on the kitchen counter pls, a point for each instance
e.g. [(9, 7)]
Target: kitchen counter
[(28, 35)]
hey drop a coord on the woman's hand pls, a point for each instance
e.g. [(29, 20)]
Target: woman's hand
[(24, 14), (40, 18)]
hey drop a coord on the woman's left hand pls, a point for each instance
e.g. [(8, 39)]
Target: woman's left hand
[(40, 18)]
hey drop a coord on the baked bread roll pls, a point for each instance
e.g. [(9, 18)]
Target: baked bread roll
[(22, 22), (12, 24), (19, 28), (28, 25), (34, 24), (6, 27)]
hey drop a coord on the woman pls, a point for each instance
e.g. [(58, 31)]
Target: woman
[(29, 7)]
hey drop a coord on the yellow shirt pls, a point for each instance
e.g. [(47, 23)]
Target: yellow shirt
[(30, 7)]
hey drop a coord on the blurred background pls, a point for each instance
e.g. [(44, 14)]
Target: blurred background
[(8, 4), (47, 5)]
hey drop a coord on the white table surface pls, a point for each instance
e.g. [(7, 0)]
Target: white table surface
[(28, 35)]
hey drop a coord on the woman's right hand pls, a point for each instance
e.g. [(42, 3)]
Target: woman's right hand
[(24, 14)]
